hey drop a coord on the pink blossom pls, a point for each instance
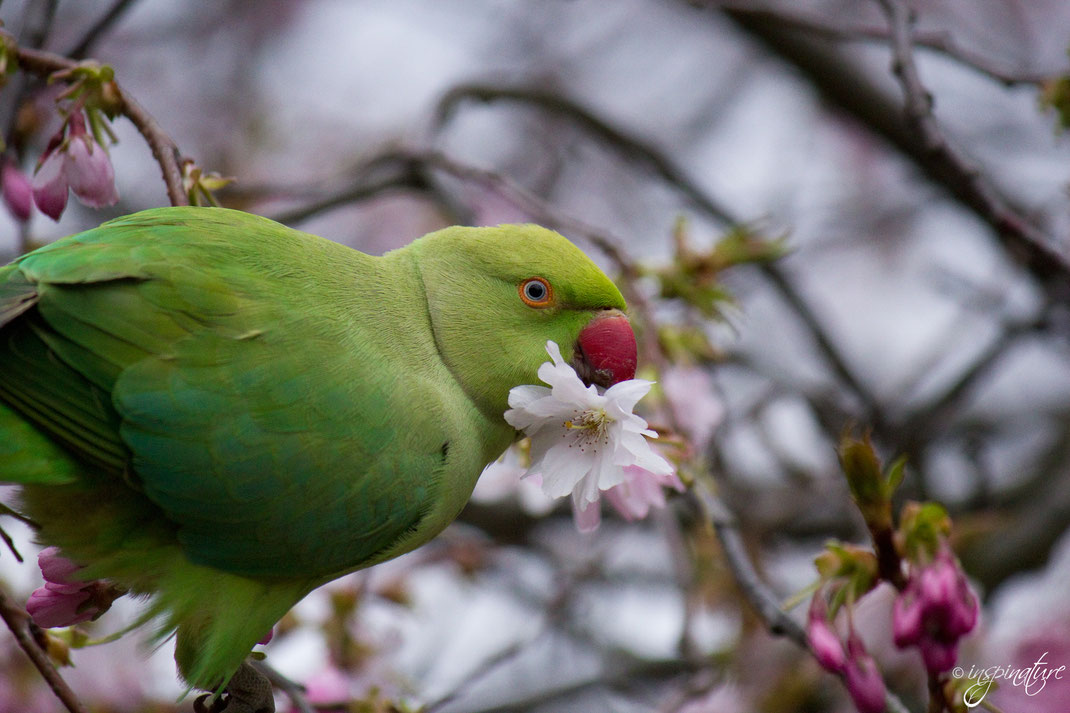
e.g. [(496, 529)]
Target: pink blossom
[(50, 185), (863, 679), (632, 498), (823, 639), (583, 440), (78, 163), (640, 490), (64, 600), (89, 172), (694, 404), (58, 570), (325, 689), (17, 190), (50, 608), (934, 611)]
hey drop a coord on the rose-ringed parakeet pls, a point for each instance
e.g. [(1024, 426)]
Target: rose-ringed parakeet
[(221, 413)]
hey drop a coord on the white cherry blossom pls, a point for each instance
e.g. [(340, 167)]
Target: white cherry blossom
[(582, 439)]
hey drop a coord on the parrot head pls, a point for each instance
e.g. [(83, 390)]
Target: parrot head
[(496, 296)]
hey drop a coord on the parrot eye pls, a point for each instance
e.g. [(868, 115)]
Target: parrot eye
[(536, 292)]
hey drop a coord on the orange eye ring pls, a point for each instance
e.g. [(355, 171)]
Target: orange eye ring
[(536, 292)]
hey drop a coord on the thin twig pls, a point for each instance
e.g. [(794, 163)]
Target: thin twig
[(359, 191), (761, 598), (823, 340), (940, 41), (163, 146), (486, 667), (10, 544), (23, 628), (631, 147), (36, 23), (1023, 240), (99, 29), (931, 417)]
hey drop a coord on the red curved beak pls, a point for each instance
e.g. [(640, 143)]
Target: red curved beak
[(606, 352)]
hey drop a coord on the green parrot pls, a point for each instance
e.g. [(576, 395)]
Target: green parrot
[(220, 413)]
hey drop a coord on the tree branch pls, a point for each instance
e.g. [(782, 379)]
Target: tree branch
[(23, 628), (940, 41), (631, 147), (852, 90), (100, 28), (1022, 239)]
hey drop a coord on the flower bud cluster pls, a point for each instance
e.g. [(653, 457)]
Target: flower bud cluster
[(73, 162), (934, 611), (860, 673)]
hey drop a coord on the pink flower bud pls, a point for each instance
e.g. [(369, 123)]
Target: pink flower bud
[(64, 600), (906, 618), (58, 571), (823, 639), (939, 656), (90, 173), (863, 679), (50, 185), (50, 608), (934, 611), (17, 190)]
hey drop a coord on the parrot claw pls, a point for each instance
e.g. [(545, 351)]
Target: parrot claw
[(248, 691)]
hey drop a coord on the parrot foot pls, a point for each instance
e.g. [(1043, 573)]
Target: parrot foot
[(248, 691)]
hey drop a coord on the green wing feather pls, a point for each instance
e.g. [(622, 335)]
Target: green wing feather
[(212, 357)]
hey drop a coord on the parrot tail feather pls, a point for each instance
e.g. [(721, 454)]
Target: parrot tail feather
[(216, 617)]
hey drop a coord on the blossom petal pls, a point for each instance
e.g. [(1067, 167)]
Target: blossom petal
[(50, 186), (91, 176), (586, 516), (562, 468), (51, 609), (626, 394), (522, 396), (17, 191)]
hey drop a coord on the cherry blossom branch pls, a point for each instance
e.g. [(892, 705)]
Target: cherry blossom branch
[(761, 598), (26, 634), (163, 147)]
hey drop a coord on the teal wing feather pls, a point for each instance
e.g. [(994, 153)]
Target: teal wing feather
[(223, 368)]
